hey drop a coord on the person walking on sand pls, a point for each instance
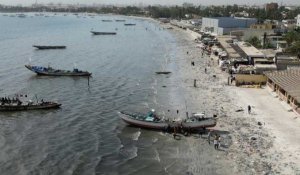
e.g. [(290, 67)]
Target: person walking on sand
[(216, 142), (249, 109), (219, 142), (205, 70), (208, 137)]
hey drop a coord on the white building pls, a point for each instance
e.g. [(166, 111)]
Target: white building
[(298, 20), (224, 25)]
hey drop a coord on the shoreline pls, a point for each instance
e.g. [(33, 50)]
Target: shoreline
[(255, 149)]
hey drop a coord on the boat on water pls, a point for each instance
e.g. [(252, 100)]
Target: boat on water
[(103, 33), (163, 72), (15, 104), (49, 71), (151, 121), (120, 20), (106, 20), (129, 24), (49, 47)]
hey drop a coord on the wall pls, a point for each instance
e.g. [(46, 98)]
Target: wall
[(298, 20), (250, 79)]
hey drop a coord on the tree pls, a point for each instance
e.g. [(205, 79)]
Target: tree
[(255, 42)]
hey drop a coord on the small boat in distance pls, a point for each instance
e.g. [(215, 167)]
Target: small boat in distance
[(49, 71), (163, 72), (120, 20), (106, 20), (103, 33), (129, 24), (48, 47)]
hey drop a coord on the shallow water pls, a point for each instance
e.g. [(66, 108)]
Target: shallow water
[(85, 136)]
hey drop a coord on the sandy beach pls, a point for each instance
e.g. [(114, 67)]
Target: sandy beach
[(266, 141)]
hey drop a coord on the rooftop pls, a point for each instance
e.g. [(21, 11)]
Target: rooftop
[(287, 80), (250, 50)]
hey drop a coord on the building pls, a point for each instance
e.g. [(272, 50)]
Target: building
[(271, 6), (267, 26), (286, 85), (298, 20), (284, 62), (224, 25)]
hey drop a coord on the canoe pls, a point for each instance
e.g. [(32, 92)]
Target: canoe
[(49, 47), (49, 71), (103, 33), (15, 107), (129, 24), (163, 72), (120, 20), (106, 20), (149, 122)]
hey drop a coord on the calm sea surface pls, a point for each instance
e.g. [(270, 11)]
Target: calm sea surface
[(86, 135)]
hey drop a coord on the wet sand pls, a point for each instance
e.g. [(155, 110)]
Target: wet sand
[(246, 147)]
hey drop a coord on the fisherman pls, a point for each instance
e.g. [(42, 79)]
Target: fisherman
[(205, 70), (249, 109), (177, 111), (187, 52), (193, 63), (174, 134)]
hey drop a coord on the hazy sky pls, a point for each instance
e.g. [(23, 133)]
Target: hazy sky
[(163, 2)]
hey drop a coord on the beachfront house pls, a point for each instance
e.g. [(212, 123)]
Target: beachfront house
[(286, 85)]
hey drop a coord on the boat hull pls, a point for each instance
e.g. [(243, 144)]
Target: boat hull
[(29, 107)]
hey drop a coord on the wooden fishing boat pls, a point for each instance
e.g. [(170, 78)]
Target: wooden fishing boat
[(163, 72), (120, 20), (103, 33), (48, 47), (144, 121), (106, 20), (29, 106), (150, 121), (129, 24), (49, 71)]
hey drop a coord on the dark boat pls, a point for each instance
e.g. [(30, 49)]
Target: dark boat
[(129, 24), (49, 71), (103, 33), (150, 121), (49, 47), (120, 20), (106, 20), (163, 72), (29, 106)]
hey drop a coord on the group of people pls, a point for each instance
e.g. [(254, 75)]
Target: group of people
[(7, 100)]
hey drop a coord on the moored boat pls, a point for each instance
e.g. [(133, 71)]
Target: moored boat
[(49, 47), (151, 121), (49, 71), (120, 20), (15, 104), (106, 20), (103, 33), (129, 24)]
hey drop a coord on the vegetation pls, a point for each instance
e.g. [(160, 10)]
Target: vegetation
[(293, 40), (175, 12), (254, 41)]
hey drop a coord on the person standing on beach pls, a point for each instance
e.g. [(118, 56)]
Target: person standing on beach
[(216, 142), (205, 70), (208, 137), (219, 142), (249, 109)]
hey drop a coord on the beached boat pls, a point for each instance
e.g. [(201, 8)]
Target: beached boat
[(129, 24), (103, 33), (49, 71), (28, 106), (48, 47), (151, 121)]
